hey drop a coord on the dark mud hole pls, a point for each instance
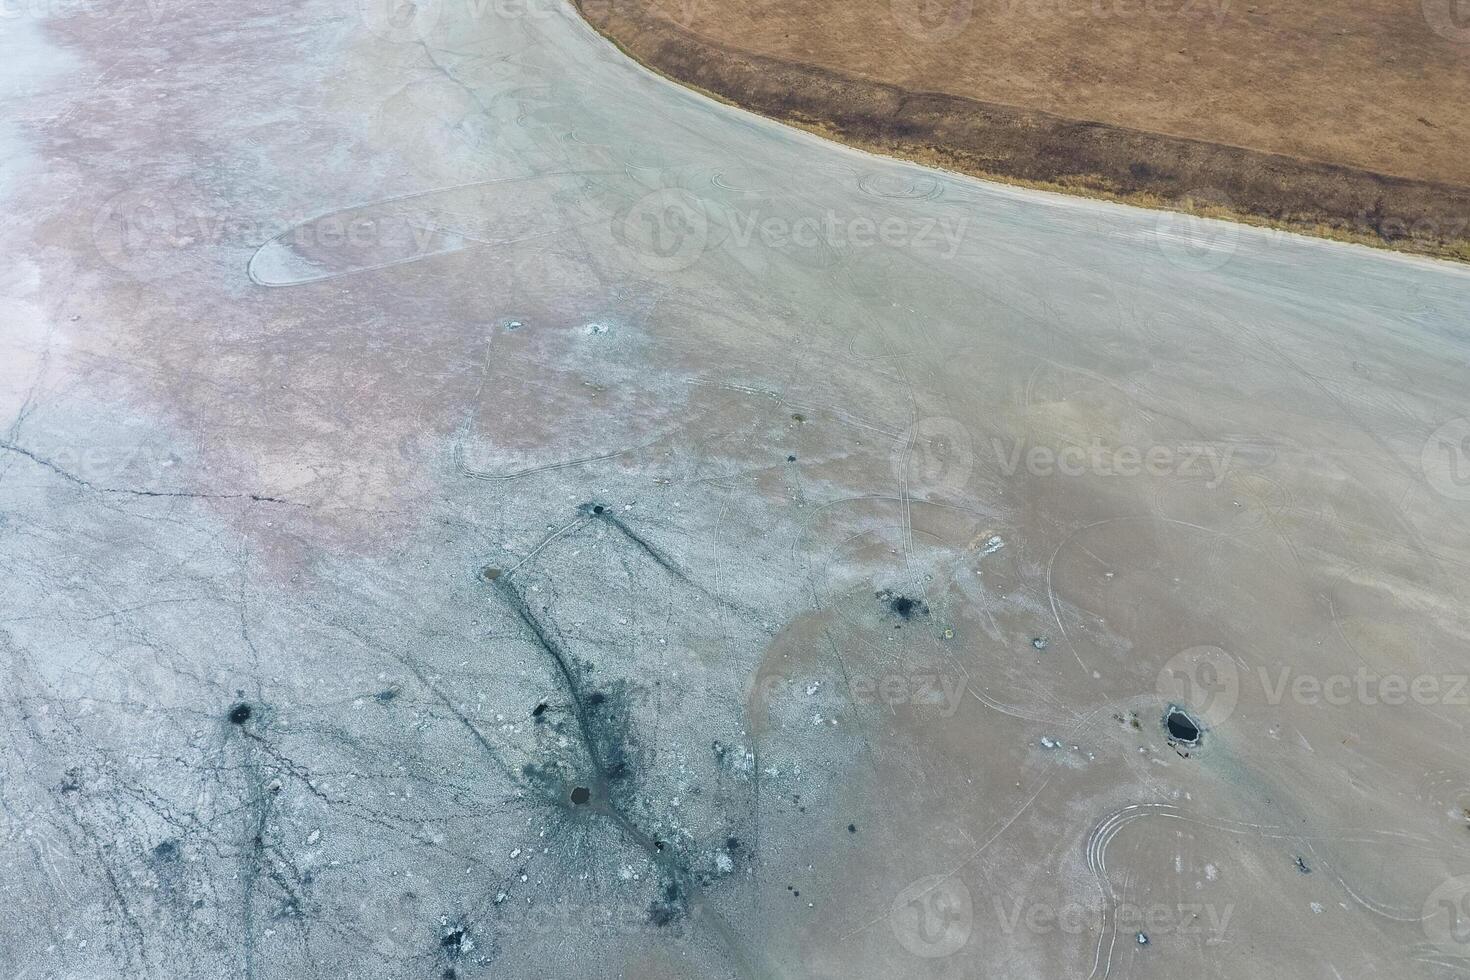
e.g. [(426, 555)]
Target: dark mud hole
[(1182, 726)]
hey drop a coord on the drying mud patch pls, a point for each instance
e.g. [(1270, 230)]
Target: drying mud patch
[(379, 234)]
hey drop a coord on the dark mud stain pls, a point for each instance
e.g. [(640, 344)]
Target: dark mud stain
[(455, 942), (671, 905), (1182, 726), (903, 606), (168, 851), (383, 697), (240, 714)]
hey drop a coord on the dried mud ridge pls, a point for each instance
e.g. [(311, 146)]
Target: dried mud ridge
[(987, 139)]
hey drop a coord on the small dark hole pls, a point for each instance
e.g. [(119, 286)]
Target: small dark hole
[(240, 714), (598, 509), (580, 795), (539, 710), (852, 828), (1181, 727), (790, 459), (658, 844)]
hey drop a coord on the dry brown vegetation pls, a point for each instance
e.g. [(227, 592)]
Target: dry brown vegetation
[(1347, 119)]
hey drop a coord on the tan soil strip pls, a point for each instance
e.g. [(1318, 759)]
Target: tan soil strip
[(1038, 149)]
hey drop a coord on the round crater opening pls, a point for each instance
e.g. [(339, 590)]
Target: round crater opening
[(1183, 726), (581, 796), (240, 714)]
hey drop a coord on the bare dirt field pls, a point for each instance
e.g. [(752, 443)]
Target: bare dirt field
[(1342, 119)]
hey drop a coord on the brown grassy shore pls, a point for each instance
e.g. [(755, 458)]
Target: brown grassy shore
[(1383, 182)]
